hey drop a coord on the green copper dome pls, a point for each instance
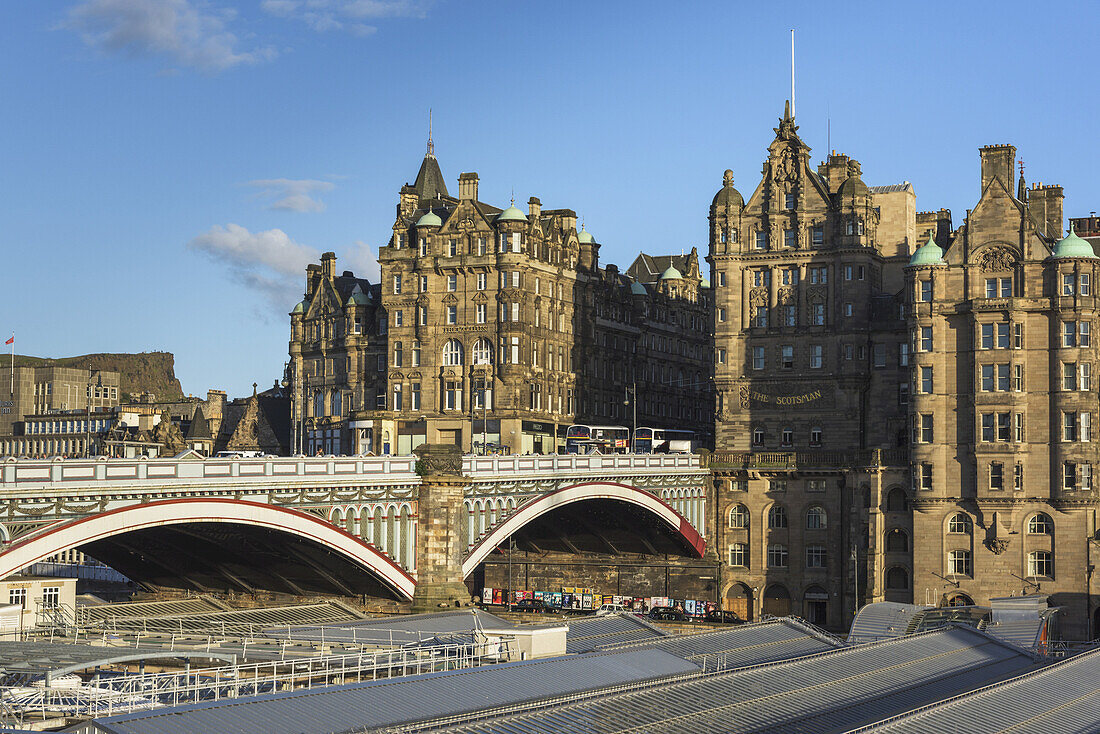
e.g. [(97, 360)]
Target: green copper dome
[(637, 289), (431, 219), (357, 297), (585, 237), (511, 214), (671, 274), (1073, 246), (301, 307), (704, 283), (927, 254)]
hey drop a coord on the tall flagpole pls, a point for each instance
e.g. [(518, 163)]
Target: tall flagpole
[(13, 365), (792, 72)]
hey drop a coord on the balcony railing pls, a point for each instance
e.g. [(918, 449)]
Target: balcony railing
[(808, 459)]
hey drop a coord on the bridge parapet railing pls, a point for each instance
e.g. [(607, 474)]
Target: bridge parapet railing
[(808, 459), (535, 463)]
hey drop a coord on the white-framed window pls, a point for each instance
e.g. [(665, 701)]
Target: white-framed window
[(1069, 284), (761, 240), (786, 356), (396, 285), (17, 596), (482, 281), (452, 314), (758, 437), (787, 437), (422, 248), (414, 396), (480, 245), (815, 440), (452, 353), (819, 275), (817, 235), (815, 556), (720, 355), (739, 517), (958, 563), (1069, 425), (452, 395), (816, 359), (789, 238), (452, 282), (422, 315), (777, 517), (760, 318), (924, 291), (397, 396), (926, 382), (398, 317), (738, 555), (398, 354), (1040, 524), (1040, 563), (959, 523), (817, 314), (777, 555), (1084, 284), (924, 476), (788, 201), (996, 476), (481, 311), (482, 352), (816, 518), (721, 315), (757, 358), (452, 247)]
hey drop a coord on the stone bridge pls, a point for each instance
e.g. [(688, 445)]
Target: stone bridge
[(347, 525)]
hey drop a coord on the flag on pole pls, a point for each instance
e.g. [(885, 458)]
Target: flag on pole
[(10, 341)]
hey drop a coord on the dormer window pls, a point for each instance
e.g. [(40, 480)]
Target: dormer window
[(817, 235), (398, 240), (761, 240), (452, 247)]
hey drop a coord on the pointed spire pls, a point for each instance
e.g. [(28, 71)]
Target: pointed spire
[(1021, 188), (431, 145), (787, 111)]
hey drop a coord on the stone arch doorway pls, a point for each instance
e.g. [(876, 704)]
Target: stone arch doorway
[(777, 601), (738, 599), (815, 604)]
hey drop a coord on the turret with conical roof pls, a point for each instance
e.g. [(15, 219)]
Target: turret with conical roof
[(429, 179), (927, 254)]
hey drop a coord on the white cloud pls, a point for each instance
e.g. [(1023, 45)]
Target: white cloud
[(327, 15), (362, 260), (186, 31), (274, 265), (293, 195), (269, 262)]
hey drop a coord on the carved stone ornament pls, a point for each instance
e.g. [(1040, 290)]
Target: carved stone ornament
[(744, 397), (997, 545), (466, 224), (786, 296), (758, 297), (994, 259)]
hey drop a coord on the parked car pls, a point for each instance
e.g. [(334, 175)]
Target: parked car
[(725, 616), (667, 614), (606, 609), (535, 606)]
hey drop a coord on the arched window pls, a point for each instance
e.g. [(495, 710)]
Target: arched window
[(1040, 524), (318, 403), (897, 578), (739, 516), (337, 403), (452, 353), (816, 519), (777, 517), (1040, 563), (897, 541), (958, 563), (896, 500), (959, 523), (483, 352)]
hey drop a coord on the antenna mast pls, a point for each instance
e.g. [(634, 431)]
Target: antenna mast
[(792, 72)]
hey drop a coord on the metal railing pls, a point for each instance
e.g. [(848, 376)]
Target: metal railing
[(808, 459)]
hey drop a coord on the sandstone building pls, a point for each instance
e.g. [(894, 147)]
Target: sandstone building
[(495, 327)]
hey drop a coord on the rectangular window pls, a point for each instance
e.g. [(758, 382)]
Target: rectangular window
[(422, 248), (17, 596), (481, 281), (878, 352), (987, 336), (1006, 287), (790, 276), (1085, 474), (757, 358), (925, 293), (737, 554), (397, 396), (1018, 427), (761, 240), (1002, 377), (987, 378), (396, 285), (1069, 284), (422, 315), (788, 238), (815, 440), (1003, 426), (815, 356), (926, 476), (848, 352), (515, 310), (1018, 477), (757, 437), (1069, 425), (480, 245), (817, 235), (452, 282), (1084, 282), (1084, 338), (452, 314), (720, 356), (482, 313), (398, 317), (787, 437), (903, 393), (790, 317), (1069, 475), (847, 309), (414, 396), (847, 272), (903, 355), (1003, 336), (721, 280), (818, 312), (926, 338), (1084, 375), (926, 385), (1018, 377), (990, 287), (989, 427), (760, 320), (815, 556), (721, 315), (514, 348), (927, 430), (1086, 427), (1017, 336), (761, 278), (1069, 333), (786, 353), (788, 201), (1069, 375), (452, 395)]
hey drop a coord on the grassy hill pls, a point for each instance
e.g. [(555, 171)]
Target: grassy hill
[(153, 372)]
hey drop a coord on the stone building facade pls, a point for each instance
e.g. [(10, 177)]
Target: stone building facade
[(894, 421), (494, 328)]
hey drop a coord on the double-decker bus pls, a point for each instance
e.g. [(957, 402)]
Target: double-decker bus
[(662, 441), (582, 439)]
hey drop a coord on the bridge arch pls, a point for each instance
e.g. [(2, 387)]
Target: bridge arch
[(543, 504), (350, 553)]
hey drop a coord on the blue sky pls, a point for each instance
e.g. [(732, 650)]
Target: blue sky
[(168, 167)]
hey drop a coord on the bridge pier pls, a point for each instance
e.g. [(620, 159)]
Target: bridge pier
[(439, 543)]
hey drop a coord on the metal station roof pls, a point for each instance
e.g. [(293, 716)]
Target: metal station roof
[(396, 630), (593, 633), (826, 692), (1063, 697), (237, 620), (882, 620), (367, 706), (749, 644), (26, 661), (146, 609)]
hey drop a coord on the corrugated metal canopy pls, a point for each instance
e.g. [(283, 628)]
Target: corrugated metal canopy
[(396, 630), (366, 706), (1063, 698), (882, 620), (594, 633), (26, 661), (827, 692)]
